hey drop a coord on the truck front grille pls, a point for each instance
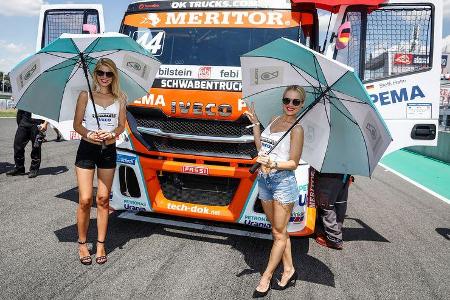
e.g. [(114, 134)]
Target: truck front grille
[(197, 189)]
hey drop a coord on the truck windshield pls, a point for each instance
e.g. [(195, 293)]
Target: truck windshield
[(206, 46)]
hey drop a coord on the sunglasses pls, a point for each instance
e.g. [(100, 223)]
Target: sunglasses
[(101, 73), (295, 102)]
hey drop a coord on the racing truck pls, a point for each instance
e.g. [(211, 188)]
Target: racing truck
[(187, 150)]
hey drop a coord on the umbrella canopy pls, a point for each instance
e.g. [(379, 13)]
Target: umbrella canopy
[(333, 5), (343, 131), (48, 83)]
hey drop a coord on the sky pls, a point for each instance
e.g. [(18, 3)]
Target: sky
[(19, 22)]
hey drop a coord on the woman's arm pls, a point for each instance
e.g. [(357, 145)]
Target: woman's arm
[(250, 113), (295, 151), (121, 122)]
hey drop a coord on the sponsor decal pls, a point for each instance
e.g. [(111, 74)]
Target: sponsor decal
[(403, 59), (371, 130), (418, 111), (193, 208), (136, 66), (258, 224), (311, 201), (175, 72), (143, 6), (297, 217), (132, 207), (226, 18), (421, 59), (126, 159), (74, 135), (267, 75), (204, 73), (235, 74), (198, 84), (199, 108), (397, 96), (195, 170), (152, 100), (30, 72)]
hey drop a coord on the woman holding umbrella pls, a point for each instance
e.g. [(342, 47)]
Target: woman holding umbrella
[(278, 189), (104, 117)]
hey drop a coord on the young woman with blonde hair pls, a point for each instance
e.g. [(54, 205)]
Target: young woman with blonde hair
[(278, 189), (97, 149)]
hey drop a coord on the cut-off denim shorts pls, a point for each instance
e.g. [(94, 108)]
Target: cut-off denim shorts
[(280, 186)]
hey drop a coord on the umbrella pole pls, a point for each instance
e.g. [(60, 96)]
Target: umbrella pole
[(85, 69), (257, 165)]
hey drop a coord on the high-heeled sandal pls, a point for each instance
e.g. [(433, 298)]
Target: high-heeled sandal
[(85, 260), (101, 259), (291, 282), (258, 294)]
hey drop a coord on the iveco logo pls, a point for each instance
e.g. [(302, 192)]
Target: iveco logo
[(134, 65), (197, 108)]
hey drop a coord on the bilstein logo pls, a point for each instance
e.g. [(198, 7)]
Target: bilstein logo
[(30, 73), (134, 65), (151, 19)]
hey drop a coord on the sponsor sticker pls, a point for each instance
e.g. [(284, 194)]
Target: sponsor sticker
[(403, 59), (198, 84), (30, 72), (136, 66), (418, 111), (126, 159), (204, 73), (193, 208), (371, 129), (195, 170), (74, 135), (267, 75)]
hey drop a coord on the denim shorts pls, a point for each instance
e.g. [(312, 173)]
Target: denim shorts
[(280, 186)]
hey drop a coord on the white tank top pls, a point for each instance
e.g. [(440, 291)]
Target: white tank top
[(107, 116), (281, 151)]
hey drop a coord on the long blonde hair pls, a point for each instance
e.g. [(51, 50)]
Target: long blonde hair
[(115, 84)]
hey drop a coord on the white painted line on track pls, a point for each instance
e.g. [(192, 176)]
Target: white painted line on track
[(132, 216), (416, 184), (7, 117)]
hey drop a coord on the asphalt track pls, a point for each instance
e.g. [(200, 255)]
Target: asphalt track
[(397, 242)]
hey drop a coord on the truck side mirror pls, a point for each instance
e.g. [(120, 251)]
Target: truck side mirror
[(344, 34), (89, 28)]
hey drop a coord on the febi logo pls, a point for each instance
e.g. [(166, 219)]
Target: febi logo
[(125, 159), (395, 96)]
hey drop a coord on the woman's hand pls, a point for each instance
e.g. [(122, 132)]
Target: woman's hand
[(93, 136), (264, 160), (251, 115), (105, 135)]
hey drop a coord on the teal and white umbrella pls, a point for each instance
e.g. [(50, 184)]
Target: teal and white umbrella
[(344, 133), (48, 83)]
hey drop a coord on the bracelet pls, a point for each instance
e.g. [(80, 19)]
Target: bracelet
[(252, 125), (113, 135)]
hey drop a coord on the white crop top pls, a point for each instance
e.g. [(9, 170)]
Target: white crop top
[(107, 116), (281, 151)]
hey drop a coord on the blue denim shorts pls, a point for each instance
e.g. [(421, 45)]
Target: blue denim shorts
[(280, 186)]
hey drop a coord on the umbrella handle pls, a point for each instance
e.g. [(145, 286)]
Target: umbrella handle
[(254, 168)]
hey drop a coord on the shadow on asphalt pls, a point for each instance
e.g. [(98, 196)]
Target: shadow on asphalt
[(445, 232), (255, 251), (364, 233), (53, 170), (72, 195), (5, 167)]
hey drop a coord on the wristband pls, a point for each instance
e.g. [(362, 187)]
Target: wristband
[(252, 125), (113, 134)]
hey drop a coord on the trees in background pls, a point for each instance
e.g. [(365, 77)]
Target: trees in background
[(5, 84)]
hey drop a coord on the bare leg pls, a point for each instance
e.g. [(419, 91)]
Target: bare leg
[(84, 179), (105, 179), (281, 215)]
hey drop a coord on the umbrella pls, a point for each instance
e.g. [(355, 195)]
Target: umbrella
[(343, 131), (48, 83)]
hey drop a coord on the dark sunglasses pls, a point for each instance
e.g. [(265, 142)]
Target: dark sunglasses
[(295, 102), (101, 73)]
